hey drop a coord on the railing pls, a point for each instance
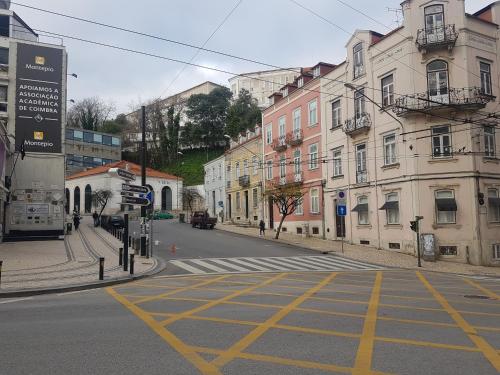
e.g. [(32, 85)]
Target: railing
[(298, 177), (295, 138), (357, 124), (279, 144), (361, 177), (244, 181), (437, 37), (461, 98)]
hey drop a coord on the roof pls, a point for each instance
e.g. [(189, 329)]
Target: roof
[(289, 70), (134, 168)]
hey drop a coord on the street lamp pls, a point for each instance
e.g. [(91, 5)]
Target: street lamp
[(74, 75)]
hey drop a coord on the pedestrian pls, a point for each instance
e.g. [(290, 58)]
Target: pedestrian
[(95, 216), (262, 227), (76, 220)]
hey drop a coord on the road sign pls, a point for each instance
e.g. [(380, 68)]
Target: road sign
[(341, 210), (135, 189), (342, 197), (122, 173), (138, 201)]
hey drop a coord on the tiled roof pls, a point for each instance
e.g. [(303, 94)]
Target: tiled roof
[(134, 168)]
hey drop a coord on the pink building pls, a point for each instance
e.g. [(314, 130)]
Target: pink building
[(292, 149)]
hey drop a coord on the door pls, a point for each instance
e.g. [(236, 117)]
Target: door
[(76, 198), (339, 223), (434, 24), (438, 86), (229, 207), (213, 203), (271, 213), (166, 199), (88, 199), (246, 204)]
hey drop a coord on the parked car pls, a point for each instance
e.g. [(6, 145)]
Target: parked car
[(202, 220), (158, 215), (112, 221)]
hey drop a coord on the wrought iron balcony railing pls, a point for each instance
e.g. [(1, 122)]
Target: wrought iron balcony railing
[(471, 98), (437, 37), (298, 177), (361, 177), (295, 138), (244, 181), (279, 144), (358, 124)]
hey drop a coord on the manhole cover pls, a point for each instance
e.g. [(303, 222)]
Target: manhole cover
[(475, 296)]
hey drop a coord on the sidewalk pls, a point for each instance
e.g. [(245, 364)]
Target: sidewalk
[(73, 263), (366, 254)]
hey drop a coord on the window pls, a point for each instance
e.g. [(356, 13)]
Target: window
[(220, 171), (88, 137), (314, 201), (390, 149), (391, 208), (255, 165), (297, 162), (269, 134), (496, 251), (337, 162), (485, 71), (437, 82), (299, 209), (97, 138), (69, 133), (446, 207), (3, 98), (282, 166), (285, 92), (489, 141), (313, 112), (245, 168), (296, 119), (238, 201), (358, 57), (282, 126), (115, 141), (336, 114), (4, 56), (213, 174), (97, 162), (441, 141), (493, 206), (255, 198), (313, 156), (107, 140), (78, 160), (448, 250), (237, 171), (317, 71), (359, 103), (362, 210), (78, 135), (387, 91), (88, 161), (300, 82), (434, 23), (269, 170), (361, 174)]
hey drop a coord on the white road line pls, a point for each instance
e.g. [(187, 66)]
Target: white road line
[(248, 264), (283, 262), (207, 265), (266, 264), (315, 262), (15, 300), (302, 262), (186, 267), (331, 265), (353, 265), (229, 265)]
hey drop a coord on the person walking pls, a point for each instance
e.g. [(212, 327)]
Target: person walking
[(262, 228), (95, 216), (76, 220)]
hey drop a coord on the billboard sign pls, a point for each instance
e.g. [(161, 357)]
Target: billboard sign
[(39, 98)]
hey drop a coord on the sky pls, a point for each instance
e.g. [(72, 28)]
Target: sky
[(277, 32)]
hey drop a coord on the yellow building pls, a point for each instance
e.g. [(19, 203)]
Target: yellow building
[(244, 179)]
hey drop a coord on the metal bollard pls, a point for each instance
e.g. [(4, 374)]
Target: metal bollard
[(131, 264), (1, 264), (120, 256), (101, 268), (129, 241)]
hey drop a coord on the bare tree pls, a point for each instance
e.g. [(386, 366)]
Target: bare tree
[(189, 198), (100, 199), (286, 198), (89, 113)]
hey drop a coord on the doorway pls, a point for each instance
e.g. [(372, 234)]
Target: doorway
[(271, 213), (246, 204), (229, 207), (166, 199)]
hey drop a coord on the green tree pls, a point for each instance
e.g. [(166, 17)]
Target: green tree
[(243, 114), (89, 113)]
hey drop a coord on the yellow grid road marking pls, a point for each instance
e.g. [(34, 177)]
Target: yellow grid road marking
[(427, 344), (486, 291), (489, 352), (363, 362), (242, 344)]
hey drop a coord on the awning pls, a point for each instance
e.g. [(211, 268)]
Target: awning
[(361, 207), (494, 202), (446, 204), (390, 206)]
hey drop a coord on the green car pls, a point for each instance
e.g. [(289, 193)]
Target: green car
[(162, 215)]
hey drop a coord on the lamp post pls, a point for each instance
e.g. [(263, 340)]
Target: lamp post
[(177, 179)]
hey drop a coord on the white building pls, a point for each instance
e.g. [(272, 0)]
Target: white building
[(215, 187), (167, 188)]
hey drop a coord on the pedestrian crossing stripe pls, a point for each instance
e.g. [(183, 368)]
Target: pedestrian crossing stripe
[(271, 264)]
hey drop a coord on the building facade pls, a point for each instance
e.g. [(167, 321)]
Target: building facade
[(292, 147), (88, 149), (244, 204), (215, 187), (166, 188), (410, 131), (261, 85)]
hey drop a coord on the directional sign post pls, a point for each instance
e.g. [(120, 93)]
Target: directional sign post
[(137, 201), (122, 173), (135, 189), (342, 212)]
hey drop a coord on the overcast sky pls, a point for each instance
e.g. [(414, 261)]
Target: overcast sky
[(274, 31)]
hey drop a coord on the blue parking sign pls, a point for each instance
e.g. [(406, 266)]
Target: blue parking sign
[(341, 210)]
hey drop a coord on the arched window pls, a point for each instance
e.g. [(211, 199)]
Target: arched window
[(166, 199), (88, 199), (437, 81), (76, 200)]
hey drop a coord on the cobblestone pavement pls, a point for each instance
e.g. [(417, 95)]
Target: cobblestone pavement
[(74, 261), (367, 254), (357, 322)]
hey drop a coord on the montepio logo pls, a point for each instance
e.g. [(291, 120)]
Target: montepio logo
[(39, 60), (38, 136)]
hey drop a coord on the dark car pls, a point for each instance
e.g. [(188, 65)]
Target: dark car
[(202, 220), (112, 221)]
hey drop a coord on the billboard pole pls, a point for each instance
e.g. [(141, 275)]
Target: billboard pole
[(143, 181)]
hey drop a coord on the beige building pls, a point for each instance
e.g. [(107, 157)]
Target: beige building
[(411, 130), (244, 179), (263, 84)]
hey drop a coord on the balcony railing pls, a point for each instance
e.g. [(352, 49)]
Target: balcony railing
[(438, 37), (295, 138), (361, 177), (244, 181), (358, 124), (279, 144), (471, 98), (290, 179), (298, 177)]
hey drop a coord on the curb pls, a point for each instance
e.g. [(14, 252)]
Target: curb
[(161, 265)]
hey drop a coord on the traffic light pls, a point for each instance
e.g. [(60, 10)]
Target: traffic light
[(414, 226), (480, 198)]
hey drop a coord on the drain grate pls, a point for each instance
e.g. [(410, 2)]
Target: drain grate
[(476, 296)]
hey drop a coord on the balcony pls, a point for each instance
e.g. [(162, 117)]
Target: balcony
[(358, 124), (298, 178), (244, 181), (436, 38), (288, 180), (295, 138), (462, 99), (361, 177), (279, 144)]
